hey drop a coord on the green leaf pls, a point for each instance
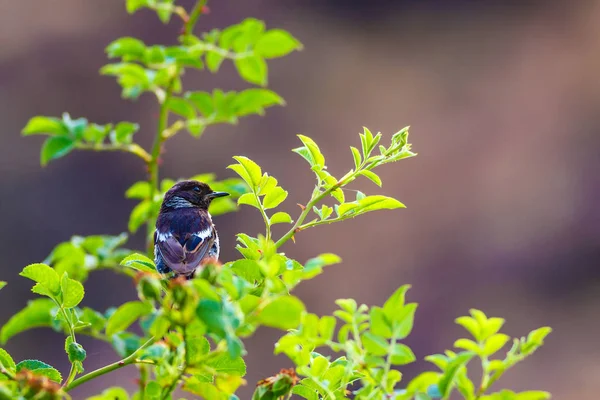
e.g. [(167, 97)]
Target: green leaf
[(139, 215), (181, 107), (467, 344), (376, 345), (254, 101), (495, 343), (322, 260), (153, 390), (305, 392), (313, 154), (126, 315), (45, 125), (139, 262), (36, 314), (252, 69), (130, 49), (75, 351), (274, 198), (114, 393), (283, 313), (55, 147), (280, 218), (470, 325), (533, 395), (72, 291), (276, 43), (213, 61), (356, 156), (2, 284), (396, 301), (203, 101), (40, 368), (139, 190), (123, 133), (372, 176), (369, 203), (446, 381), (6, 361), (402, 354), (134, 5), (249, 199), (379, 323), (44, 275), (248, 170), (223, 364)]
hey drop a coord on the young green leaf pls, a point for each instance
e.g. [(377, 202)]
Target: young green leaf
[(72, 291), (181, 107), (372, 176), (248, 170), (47, 279), (495, 343), (55, 147), (126, 315), (402, 355), (283, 313), (45, 125), (468, 344), (280, 218), (276, 43), (471, 325), (252, 69), (36, 314), (139, 215), (249, 199), (274, 197), (128, 48), (139, 262), (311, 152), (40, 368), (2, 284), (6, 361)]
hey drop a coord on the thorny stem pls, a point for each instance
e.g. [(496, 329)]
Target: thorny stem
[(131, 359), (73, 370), (349, 177), (163, 120), (129, 148), (186, 362)]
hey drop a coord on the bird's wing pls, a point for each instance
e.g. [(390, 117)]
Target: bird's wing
[(184, 258), (197, 246)]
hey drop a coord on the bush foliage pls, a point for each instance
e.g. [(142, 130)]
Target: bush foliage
[(193, 331)]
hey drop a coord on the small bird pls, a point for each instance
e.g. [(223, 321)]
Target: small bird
[(185, 234)]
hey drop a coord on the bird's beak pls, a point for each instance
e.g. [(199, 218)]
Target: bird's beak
[(214, 195)]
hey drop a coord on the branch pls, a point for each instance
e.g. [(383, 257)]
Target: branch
[(131, 359), (129, 148)]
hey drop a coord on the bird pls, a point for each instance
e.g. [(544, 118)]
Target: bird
[(185, 236)]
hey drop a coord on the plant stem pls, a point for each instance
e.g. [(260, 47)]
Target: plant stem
[(73, 370), (130, 148), (193, 17), (163, 120), (307, 210), (131, 359), (186, 362), (388, 364)]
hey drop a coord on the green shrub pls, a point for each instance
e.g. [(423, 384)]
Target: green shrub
[(194, 331)]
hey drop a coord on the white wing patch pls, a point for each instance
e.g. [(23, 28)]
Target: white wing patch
[(162, 236), (204, 233)]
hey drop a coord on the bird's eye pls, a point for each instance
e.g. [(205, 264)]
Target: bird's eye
[(196, 189)]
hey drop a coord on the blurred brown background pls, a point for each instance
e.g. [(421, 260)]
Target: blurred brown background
[(503, 98)]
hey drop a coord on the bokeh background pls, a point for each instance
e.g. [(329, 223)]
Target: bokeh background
[(503, 99)]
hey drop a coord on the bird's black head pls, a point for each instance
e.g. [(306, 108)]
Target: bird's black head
[(187, 194)]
